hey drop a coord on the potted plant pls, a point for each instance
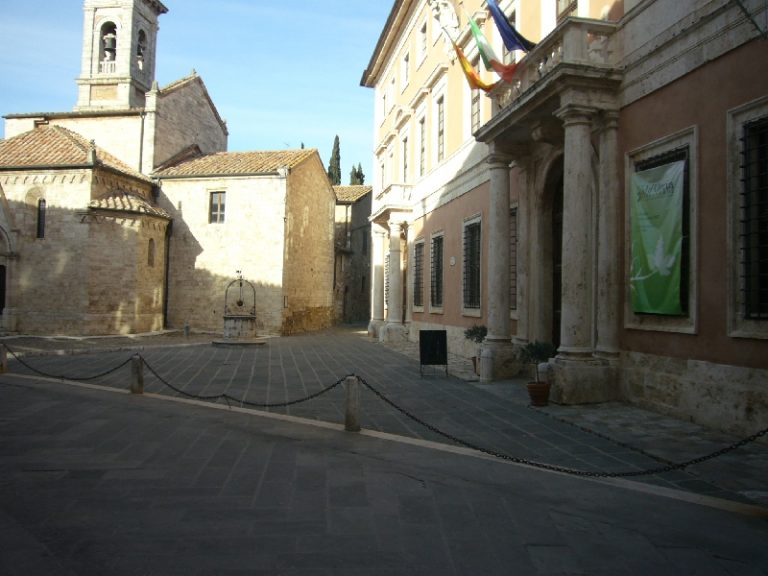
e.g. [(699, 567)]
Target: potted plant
[(477, 334), (536, 353)]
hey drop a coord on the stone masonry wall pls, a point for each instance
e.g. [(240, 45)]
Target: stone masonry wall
[(205, 257), (309, 257), (46, 285), (185, 117), (730, 398)]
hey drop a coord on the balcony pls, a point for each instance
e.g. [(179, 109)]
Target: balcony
[(107, 67), (577, 47), (393, 198)]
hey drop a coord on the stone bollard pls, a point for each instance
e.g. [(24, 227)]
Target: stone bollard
[(3, 359), (352, 417), (137, 374)]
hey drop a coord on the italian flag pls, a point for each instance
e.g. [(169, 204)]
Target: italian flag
[(490, 60), (469, 71)]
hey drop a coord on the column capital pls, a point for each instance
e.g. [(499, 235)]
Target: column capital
[(575, 114), (609, 120), (498, 160)]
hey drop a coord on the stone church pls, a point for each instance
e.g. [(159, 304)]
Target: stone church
[(128, 214)]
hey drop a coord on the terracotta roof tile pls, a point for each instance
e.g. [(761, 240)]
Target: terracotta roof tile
[(54, 146), (351, 193), (237, 163), (121, 201)]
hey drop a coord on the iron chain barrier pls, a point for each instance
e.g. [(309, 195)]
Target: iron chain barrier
[(668, 467)]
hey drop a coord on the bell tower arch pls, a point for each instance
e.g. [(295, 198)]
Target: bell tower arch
[(118, 59)]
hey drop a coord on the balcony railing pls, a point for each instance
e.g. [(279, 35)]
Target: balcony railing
[(393, 196), (107, 67), (576, 41)]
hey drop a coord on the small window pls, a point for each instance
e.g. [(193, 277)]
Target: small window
[(436, 273), (513, 259), (418, 274), (422, 147), (472, 265), (151, 253), (422, 42), (41, 218), (406, 70), (216, 214), (405, 160)]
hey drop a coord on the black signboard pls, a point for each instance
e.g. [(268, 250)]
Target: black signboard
[(433, 348)]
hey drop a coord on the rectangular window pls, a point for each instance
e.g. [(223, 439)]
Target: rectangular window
[(513, 259), (405, 160), (418, 274), (422, 146), (475, 102), (216, 213), (406, 70), (754, 220), (440, 129), (472, 265), (436, 273), (422, 42)]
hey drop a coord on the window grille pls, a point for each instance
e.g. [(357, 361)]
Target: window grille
[(472, 265), (680, 154), (418, 274), (216, 214), (754, 220), (436, 273), (422, 146)]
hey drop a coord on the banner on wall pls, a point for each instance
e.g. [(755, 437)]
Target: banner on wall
[(656, 220)]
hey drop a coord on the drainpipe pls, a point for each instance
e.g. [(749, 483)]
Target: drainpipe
[(167, 265)]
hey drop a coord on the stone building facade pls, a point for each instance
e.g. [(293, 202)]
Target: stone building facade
[(352, 272), (516, 210), (128, 214)]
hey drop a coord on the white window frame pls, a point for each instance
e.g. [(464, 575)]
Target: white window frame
[(653, 322), (739, 327)]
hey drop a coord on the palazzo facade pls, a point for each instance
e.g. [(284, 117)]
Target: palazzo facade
[(524, 209)]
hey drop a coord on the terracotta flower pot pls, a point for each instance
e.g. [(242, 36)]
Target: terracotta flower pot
[(539, 393)]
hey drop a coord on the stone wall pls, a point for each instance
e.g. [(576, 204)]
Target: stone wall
[(185, 116), (309, 257), (730, 398), (205, 257)]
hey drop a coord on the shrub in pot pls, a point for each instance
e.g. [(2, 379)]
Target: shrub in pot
[(477, 334), (535, 353)]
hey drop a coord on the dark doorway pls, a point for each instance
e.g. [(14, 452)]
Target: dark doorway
[(557, 259), (2, 288)]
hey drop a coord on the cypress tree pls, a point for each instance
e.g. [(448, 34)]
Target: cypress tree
[(334, 168)]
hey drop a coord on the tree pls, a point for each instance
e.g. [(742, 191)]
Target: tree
[(334, 168), (356, 176)]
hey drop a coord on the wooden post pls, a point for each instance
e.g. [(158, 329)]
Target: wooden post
[(137, 375), (352, 417)]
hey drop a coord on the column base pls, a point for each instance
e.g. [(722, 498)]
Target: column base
[(374, 328), (393, 332), (498, 361), (583, 381)]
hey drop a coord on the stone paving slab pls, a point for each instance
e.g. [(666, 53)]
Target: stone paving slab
[(603, 438), (100, 482)]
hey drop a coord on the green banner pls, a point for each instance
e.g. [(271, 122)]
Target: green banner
[(656, 214)]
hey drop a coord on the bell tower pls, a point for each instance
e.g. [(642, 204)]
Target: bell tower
[(119, 47)]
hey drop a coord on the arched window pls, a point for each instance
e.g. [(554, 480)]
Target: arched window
[(141, 49), (41, 218), (151, 253), (108, 49)]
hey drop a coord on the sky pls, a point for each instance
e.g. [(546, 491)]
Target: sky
[(280, 72)]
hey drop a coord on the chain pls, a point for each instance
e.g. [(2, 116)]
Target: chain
[(61, 377), (242, 402), (553, 468)]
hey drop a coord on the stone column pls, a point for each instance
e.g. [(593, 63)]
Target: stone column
[(496, 351), (523, 259), (395, 305), (498, 250), (608, 297), (377, 280), (576, 320)]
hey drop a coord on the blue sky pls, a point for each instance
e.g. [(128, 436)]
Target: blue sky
[(281, 72)]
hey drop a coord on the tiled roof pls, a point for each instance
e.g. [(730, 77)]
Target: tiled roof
[(237, 163), (120, 201), (54, 146), (351, 193)]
